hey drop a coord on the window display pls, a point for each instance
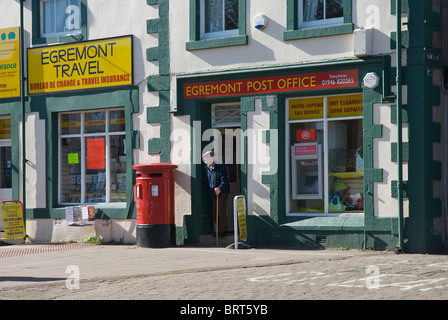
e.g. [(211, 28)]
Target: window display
[(326, 160), (92, 157)]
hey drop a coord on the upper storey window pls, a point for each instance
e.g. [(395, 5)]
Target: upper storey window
[(315, 13), (60, 17), (59, 21), (217, 23), (219, 18), (317, 18)]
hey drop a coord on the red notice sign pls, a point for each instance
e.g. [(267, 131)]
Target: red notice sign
[(306, 135), (306, 150), (96, 153)]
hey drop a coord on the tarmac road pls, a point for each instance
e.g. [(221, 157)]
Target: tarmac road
[(120, 272)]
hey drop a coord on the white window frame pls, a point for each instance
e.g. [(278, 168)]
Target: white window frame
[(57, 34), (288, 171), (316, 23), (82, 136), (214, 35)]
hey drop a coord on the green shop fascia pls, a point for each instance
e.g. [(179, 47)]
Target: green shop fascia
[(300, 216)]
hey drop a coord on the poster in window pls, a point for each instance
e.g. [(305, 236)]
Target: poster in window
[(345, 106), (96, 153)]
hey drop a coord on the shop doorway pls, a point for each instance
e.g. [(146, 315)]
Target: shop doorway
[(5, 173), (226, 118)]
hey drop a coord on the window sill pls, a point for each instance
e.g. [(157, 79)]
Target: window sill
[(216, 43), (59, 39), (305, 33), (324, 222)]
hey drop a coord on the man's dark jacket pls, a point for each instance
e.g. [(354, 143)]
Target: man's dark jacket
[(217, 177)]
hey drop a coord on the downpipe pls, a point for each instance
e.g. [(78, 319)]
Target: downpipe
[(400, 246)]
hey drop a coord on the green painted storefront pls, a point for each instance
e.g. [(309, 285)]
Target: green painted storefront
[(277, 228)]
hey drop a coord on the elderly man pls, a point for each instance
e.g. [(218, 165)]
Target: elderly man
[(218, 189)]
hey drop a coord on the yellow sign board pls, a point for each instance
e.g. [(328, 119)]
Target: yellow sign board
[(80, 66), (5, 128), (9, 63), (241, 214), (12, 217), (345, 106), (309, 108), (338, 106)]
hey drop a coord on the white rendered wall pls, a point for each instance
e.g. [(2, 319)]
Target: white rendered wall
[(384, 204), (267, 48), (258, 194), (180, 155)]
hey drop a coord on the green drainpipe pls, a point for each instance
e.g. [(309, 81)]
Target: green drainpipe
[(22, 100), (399, 247)]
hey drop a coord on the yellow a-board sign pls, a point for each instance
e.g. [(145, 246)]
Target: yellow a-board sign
[(12, 217), (241, 214)]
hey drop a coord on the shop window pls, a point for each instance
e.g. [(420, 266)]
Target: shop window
[(217, 23), (325, 144), (59, 20), (5, 156), (92, 157)]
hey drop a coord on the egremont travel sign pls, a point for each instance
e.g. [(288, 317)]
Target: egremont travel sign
[(80, 66), (286, 83), (9, 63)]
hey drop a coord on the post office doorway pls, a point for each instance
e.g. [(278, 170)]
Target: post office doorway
[(226, 118)]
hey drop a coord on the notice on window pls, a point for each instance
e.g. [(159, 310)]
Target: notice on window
[(311, 108), (73, 158), (96, 155), (305, 149), (5, 128), (338, 106), (12, 216), (345, 106)]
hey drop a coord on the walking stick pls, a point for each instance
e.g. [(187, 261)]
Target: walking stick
[(217, 206)]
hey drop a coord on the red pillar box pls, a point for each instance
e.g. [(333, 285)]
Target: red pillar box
[(154, 195)]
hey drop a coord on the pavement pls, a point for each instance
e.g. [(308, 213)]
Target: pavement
[(82, 271), (25, 264)]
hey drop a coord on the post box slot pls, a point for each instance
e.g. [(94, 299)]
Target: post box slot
[(138, 191), (155, 175)]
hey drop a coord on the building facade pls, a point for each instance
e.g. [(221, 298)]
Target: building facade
[(298, 99)]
